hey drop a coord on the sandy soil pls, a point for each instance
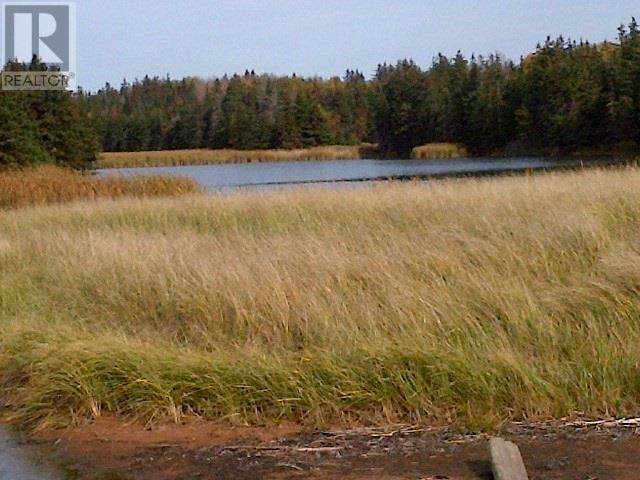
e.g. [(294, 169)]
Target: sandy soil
[(210, 451)]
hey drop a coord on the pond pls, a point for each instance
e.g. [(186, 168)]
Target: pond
[(342, 172)]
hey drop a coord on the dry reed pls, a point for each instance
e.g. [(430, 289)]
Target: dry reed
[(465, 301), (45, 185), (439, 151), (222, 156)]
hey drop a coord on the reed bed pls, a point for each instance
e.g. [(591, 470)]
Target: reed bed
[(439, 151), (216, 157), (465, 302), (47, 184)]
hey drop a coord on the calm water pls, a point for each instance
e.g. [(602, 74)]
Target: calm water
[(342, 172), (21, 462)]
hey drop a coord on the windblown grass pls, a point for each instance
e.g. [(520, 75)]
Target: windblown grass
[(215, 157), (45, 185), (439, 150), (466, 301)]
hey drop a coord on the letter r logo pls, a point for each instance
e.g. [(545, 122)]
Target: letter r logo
[(30, 34), (43, 29)]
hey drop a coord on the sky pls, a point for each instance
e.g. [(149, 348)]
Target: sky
[(130, 38)]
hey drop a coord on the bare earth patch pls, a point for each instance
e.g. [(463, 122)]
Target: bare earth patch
[(211, 451)]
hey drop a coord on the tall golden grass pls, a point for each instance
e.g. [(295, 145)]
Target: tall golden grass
[(439, 150), (465, 301), (47, 184), (222, 156)]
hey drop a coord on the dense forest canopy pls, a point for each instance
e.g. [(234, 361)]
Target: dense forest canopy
[(566, 96)]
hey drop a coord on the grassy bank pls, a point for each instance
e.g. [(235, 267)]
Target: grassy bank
[(46, 185), (222, 156), (466, 301), (439, 151)]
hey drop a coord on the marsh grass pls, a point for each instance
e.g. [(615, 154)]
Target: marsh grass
[(439, 151), (223, 156), (469, 302), (47, 184)]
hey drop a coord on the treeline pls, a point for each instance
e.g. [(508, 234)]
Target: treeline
[(44, 127), (245, 112), (567, 95)]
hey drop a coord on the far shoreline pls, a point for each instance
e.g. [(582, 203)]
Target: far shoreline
[(436, 152)]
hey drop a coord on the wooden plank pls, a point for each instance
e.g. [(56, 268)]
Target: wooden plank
[(506, 461)]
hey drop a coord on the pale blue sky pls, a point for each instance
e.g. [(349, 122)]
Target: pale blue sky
[(131, 38)]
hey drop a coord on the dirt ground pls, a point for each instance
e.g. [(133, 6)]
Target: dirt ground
[(108, 449)]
